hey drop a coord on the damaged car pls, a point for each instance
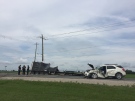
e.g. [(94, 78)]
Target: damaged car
[(105, 71)]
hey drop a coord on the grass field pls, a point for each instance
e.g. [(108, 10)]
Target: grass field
[(19, 90), (130, 76)]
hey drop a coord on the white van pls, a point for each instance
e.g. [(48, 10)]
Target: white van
[(105, 71)]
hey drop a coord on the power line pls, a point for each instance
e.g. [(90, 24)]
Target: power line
[(85, 48), (93, 28), (80, 48), (94, 54), (28, 39), (11, 49), (92, 32)]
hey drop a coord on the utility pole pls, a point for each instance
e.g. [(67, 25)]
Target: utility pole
[(5, 68), (35, 51), (42, 47)]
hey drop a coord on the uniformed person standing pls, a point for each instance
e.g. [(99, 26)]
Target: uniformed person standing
[(19, 69), (28, 69)]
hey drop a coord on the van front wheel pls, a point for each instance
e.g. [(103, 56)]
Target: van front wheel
[(94, 76)]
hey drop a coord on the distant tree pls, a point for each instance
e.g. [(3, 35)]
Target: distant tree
[(130, 72)]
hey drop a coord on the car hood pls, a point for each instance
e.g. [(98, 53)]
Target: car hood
[(91, 65)]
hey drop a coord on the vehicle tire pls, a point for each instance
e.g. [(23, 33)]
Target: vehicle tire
[(94, 76), (118, 76)]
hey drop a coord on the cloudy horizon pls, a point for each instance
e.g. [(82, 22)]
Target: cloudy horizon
[(77, 32)]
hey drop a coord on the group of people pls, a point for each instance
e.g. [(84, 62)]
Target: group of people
[(23, 69)]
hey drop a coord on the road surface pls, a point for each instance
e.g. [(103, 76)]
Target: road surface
[(69, 78)]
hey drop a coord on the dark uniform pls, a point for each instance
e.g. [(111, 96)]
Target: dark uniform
[(19, 69), (24, 69), (28, 69)]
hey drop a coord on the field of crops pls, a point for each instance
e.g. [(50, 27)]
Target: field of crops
[(19, 90)]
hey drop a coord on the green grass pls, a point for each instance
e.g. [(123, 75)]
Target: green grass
[(130, 76), (19, 90)]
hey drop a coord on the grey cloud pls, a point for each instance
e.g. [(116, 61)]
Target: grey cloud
[(37, 17)]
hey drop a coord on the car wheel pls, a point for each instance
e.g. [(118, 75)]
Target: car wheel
[(118, 76), (94, 76)]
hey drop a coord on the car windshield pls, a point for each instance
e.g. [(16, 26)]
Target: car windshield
[(99, 68)]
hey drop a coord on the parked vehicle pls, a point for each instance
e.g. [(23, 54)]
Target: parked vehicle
[(40, 67), (105, 71)]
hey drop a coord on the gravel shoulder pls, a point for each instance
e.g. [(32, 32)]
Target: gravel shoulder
[(110, 82)]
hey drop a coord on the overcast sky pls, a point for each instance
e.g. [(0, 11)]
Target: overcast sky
[(77, 32)]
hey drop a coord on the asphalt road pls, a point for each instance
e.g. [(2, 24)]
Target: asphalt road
[(57, 76)]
